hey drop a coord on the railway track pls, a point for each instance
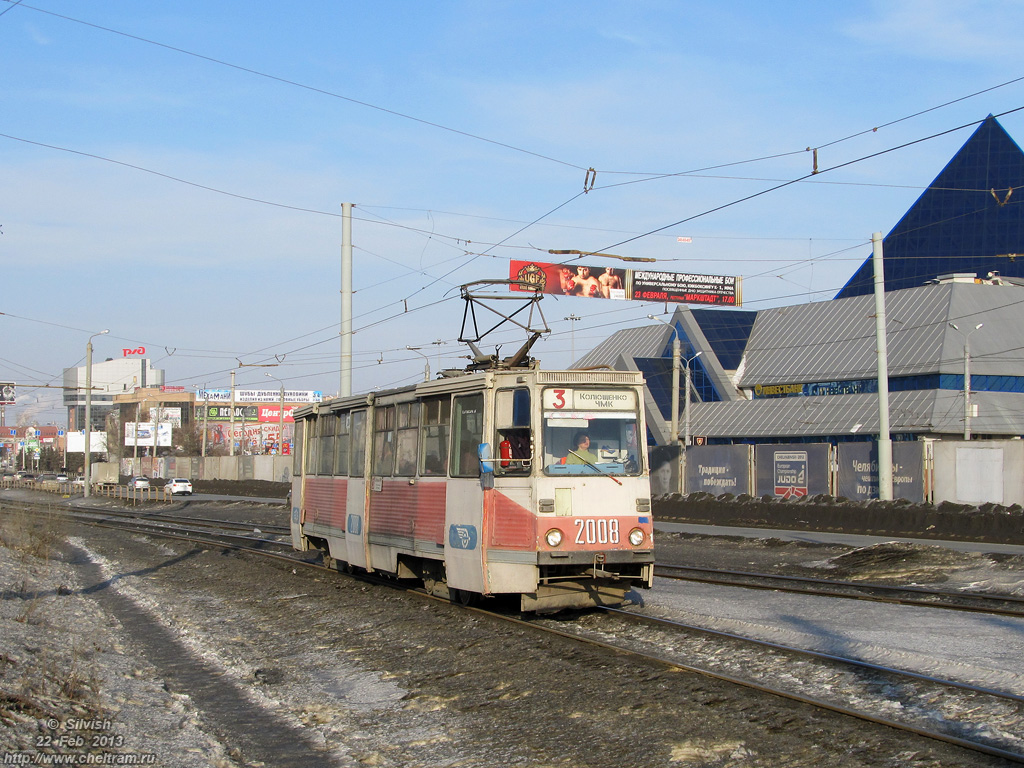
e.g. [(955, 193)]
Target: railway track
[(998, 604), (971, 717), (978, 718), (263, 540)]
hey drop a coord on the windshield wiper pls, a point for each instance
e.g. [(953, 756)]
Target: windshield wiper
[(589, 464)]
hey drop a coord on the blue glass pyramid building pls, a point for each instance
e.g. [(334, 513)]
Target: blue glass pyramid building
[(970, 219)]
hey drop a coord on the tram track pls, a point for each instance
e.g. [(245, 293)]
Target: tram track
[(906, 701), (996, 604), (204, 531), (921, 700)]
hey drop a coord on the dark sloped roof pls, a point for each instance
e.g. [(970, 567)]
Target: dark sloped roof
[(727, 332)]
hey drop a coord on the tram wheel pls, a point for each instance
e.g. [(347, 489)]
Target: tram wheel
[(464, 597)]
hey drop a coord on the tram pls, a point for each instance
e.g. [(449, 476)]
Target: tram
[(500, 479), (496, 482)]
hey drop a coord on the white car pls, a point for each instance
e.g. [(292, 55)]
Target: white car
[(139, 482), (179, 485)]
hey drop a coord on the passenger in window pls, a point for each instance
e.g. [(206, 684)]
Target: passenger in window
[(434, 465), (581, 454)]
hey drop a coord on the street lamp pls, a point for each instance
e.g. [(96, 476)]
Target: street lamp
[(280, 426), (206, 413), (967, 376), (674, 431), (88, 412), (426, 362)]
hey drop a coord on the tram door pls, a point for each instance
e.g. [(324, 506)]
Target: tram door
[(355, 503), (464, 502)]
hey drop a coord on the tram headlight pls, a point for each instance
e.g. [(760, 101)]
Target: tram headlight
[(636, 537), (553, 537)]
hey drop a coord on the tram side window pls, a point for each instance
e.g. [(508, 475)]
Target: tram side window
[(384, 441), (467, 434), (514, 437), (408, 415), (357, 434), (298, 436), (328, 425), (436, 425), (341, 444)]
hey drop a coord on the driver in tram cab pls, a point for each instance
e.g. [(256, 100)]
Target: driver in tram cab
[(581, 454)]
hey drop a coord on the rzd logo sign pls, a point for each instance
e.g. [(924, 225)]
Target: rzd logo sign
[(138, 351)]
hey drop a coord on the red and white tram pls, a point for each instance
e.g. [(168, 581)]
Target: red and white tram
[(483, 484)]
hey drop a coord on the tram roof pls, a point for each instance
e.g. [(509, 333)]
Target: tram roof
[(476, 380)]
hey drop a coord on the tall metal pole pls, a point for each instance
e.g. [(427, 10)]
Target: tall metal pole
[(206, 416), (231, 434), (280, 423), (87, 467), (345, 387), (686, 402), (967, 387), (426, 361), (884, 440), (967, 376)]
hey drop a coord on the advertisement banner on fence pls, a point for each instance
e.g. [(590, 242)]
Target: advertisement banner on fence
[(718, 469), (792, 471), (593, 282), (857, 477)]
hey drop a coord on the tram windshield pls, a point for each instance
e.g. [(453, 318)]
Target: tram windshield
[(591, 431)]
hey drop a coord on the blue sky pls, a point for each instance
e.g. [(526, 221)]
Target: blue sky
[(174, 172)]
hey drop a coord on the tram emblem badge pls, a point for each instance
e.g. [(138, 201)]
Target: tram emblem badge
[(462, 536)]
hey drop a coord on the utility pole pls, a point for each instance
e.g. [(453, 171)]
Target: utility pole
[(884, 440), (686, 402), (231, 435), (206, 416), (345, 387), (87, 468), (426, 361), (967, 376)]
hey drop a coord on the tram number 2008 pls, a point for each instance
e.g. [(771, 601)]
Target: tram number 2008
[(597, 531)]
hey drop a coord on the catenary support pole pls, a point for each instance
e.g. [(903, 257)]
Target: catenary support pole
[(87, 466), (346, 300), (884, 440)]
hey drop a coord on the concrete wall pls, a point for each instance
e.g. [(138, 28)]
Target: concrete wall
[(277, 469)]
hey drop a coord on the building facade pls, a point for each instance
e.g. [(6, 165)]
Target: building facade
[(110, 377), (808, 373)]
